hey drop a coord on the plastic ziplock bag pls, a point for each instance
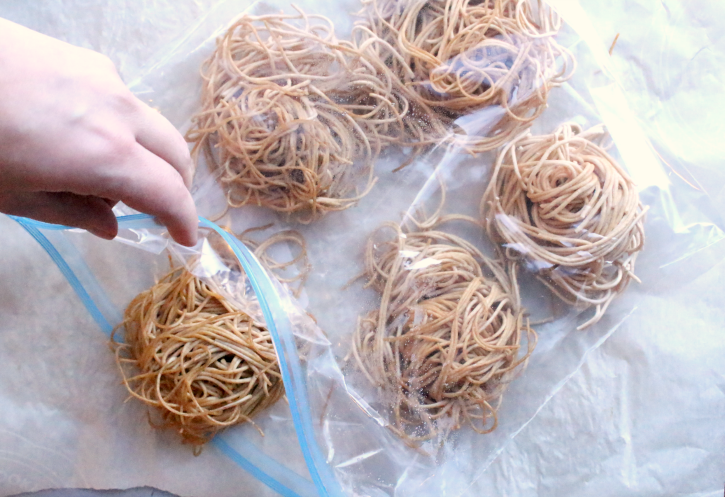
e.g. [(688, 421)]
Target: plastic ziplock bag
[(344, 440), (278, 315)]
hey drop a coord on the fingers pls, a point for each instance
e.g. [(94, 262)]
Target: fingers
[(158, 136), (77, 128), (133, 175), (147, 183), (89, 213), (111, 203)]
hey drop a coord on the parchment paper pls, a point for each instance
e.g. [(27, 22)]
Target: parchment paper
[(636, 410)]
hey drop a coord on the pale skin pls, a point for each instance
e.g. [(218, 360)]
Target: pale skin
[(74, 141)]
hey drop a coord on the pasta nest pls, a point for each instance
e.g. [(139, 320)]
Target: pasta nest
[(204, 364), (271, 126), (445, 341), (561, 203)]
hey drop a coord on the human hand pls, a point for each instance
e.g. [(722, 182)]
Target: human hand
[(74, 141)]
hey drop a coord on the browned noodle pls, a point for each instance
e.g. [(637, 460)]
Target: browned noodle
[(292, 118), (461, 56), (203, 358), (203, 363), (561, 203), (445, 340), (267, 126)]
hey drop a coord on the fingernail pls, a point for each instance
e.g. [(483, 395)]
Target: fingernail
[(102, 233)]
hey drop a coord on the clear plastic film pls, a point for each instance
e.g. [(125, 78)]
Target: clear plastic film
[(374, 459), (350, 440), (229, 269)]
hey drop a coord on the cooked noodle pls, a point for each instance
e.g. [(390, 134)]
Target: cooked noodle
[(561, 203), (444, 342), (201, 355)]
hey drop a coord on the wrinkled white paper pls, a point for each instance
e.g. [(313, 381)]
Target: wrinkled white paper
[(635, 407)]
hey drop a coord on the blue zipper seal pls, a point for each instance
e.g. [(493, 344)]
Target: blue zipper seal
[(276, 319)]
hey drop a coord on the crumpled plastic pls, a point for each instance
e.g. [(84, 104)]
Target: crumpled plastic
[(636, 410)]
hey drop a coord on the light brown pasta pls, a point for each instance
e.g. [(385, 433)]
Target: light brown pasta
[(461, 56), (563, 205), (203, 358), (270, 125), (292, 118), (205, 364), (445, 340)]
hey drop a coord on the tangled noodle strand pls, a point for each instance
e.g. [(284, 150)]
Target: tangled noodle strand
[(199, 355), (445, 341), (564, 205)]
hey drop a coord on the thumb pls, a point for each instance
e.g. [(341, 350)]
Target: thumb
[(79, 211)]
